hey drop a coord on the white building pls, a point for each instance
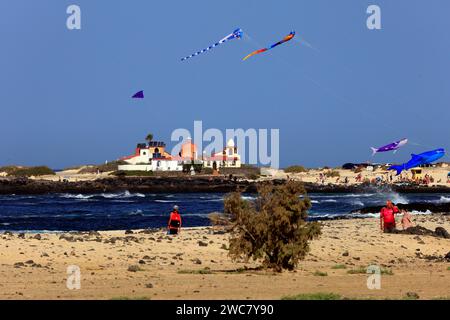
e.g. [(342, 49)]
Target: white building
[(151, 158), (154, 165), (228, 158)]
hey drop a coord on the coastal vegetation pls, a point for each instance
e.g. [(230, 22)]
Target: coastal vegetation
[(199, 271), (149, 137), (107, 167), (332, 174), (314, 296), (363, 270), (295, 169), (121, 173), (273, 228), (27, 171), (339, 266), (318, 273), (131, 298)]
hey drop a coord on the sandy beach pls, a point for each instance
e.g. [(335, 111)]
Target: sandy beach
[(195, 265)]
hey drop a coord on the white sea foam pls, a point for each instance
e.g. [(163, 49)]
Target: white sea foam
[(125, 194), (77, 196), (358, 203), (120, 195)]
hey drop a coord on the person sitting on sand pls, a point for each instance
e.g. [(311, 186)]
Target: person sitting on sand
[(387, 217), (406, 220), (174, 225)]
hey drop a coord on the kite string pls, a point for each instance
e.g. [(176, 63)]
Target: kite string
[(337, 96)]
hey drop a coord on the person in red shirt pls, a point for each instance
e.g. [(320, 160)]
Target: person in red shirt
[(174, 225), (387, 217)]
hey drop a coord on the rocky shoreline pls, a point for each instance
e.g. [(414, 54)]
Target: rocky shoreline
[(205, 184), (443, 208)]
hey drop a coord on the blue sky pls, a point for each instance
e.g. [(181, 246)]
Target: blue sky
[(65, 95)]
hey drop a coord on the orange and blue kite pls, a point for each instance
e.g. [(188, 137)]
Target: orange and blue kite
[(286, 39)]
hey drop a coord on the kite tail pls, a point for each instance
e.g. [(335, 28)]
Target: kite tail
[(201, 51), (374, 150), (398, 168), (237, 34)]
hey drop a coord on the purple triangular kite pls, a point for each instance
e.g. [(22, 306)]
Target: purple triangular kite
[(139, 95)]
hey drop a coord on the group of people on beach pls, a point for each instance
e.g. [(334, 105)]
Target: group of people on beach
[(387, 218)]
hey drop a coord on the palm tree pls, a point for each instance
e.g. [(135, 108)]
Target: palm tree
[(149, 138)]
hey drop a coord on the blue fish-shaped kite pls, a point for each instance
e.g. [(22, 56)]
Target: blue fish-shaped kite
[(419, 159), (390, 147)]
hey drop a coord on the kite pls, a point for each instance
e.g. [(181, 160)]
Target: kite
[(390, 147), (419, 159), (139, 95), (237, 34), (286, 39)]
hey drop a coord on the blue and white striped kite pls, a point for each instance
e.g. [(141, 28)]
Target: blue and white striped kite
[(237, 34)]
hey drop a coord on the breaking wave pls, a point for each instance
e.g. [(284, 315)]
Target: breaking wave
[(120, 195)]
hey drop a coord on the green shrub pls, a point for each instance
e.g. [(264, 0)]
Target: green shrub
[(332, 174), (273, 228), (362, 270), (197, 167), (295, 169), (314, 296), (339, 266), (130, 298), (27, 171), (108, 167), (320, 274), (200, 271)]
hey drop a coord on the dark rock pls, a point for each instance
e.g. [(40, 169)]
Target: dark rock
[(134, 268), (37, 237), (129, 232), (345, 254), (412, 295), (197, 261), (442, 233), (419, 206), (149, 285), (421, 231), (21, 235), (149, 231), (202, 244), (447, 257)]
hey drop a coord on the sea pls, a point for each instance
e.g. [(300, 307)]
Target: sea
[(126, 210)]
